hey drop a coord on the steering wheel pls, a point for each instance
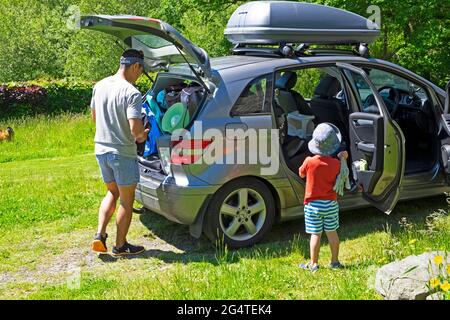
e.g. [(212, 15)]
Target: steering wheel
[(395, 99)]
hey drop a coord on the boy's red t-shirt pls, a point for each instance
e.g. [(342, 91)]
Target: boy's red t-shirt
[(321, 173)]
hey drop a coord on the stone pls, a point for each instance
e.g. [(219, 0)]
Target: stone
[(407, 279)]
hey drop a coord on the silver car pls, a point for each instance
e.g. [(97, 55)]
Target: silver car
[(279, 84)]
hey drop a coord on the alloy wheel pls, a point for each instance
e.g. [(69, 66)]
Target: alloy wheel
[(242, 214)]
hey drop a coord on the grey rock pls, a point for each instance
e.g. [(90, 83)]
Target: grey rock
[(407, 279)]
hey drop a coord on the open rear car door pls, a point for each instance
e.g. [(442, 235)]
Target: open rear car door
[(161, 43), (377, 140)]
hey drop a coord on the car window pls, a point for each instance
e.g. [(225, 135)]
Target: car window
[(381, 78), (365, 95), (152, 41), (254, 98), (312, 83), (308, 81)]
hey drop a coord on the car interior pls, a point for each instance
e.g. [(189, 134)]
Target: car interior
[(297, 106), (323, 100), (173, 90), (410, 106)]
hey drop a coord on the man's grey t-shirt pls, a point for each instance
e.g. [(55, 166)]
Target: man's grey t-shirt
[(115, 100)]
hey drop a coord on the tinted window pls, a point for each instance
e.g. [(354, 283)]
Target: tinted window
[(152, 41), (314, 82), (254, 99), (365, 95), (381, 78)]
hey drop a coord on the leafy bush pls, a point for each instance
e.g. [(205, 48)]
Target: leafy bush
[(50, 97), (68, 96), (25, 99), (13, 98), (143, 83)]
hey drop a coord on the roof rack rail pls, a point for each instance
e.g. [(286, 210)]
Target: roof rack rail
[(325, 51), (242, 49), (360, 49), (302, 50)]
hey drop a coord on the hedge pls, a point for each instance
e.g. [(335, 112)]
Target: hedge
[(48, 97)]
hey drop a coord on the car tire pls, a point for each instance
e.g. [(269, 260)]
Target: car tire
[(238, 222)]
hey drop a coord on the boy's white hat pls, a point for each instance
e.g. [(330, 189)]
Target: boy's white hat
[(326, 139)]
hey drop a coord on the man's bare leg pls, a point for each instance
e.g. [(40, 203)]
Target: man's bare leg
[(107, 207), (124, 214)]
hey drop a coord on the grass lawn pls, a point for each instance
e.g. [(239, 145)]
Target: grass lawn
[(50, 189)]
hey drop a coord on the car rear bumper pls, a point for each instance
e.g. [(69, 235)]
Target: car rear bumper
[(178, 203)]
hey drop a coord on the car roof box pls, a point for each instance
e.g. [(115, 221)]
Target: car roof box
[(275, 22)]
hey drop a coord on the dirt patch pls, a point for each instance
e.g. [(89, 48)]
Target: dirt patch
[(65, 267)]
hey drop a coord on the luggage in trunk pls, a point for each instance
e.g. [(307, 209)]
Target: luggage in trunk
[(168, 92)]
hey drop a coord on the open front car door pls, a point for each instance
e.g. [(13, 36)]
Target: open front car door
[(444, 135), (377, 143)]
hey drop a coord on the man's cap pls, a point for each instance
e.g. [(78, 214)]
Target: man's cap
[(128, 61)]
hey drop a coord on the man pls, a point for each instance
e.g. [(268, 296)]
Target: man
[(116, 111)]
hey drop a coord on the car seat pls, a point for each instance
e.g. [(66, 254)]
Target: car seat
[(326, 108), (286, 98), (287, 101), (425, 120)]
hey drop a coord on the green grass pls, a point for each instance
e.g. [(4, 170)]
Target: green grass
[(48, 137), (50, 189)]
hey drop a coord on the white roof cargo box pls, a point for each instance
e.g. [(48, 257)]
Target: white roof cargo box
[(273, 22)]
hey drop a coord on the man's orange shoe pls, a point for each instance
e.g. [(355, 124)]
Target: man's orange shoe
[(99, 243)]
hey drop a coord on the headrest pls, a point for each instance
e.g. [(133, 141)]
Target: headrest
[(287, 81), (328, 87)]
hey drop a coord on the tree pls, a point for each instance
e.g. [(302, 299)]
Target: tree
[(37, 43)]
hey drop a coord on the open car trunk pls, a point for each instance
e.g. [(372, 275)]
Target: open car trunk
[(165, 49), (177, 89)]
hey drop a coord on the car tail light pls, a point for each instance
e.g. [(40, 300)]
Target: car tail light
[(188, 151)]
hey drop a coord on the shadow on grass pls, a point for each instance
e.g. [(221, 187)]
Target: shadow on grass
[(284, 237)]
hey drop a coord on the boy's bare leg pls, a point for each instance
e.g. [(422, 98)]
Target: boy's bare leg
[(314, 248), (124, 214), (107, 207), (333, 240)]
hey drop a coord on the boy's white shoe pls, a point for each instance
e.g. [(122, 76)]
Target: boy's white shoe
[(308, 266)]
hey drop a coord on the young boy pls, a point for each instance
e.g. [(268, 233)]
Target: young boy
[(321, 207)]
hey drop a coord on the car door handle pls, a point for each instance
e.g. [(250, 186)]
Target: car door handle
[(366, 147), (362, 122)]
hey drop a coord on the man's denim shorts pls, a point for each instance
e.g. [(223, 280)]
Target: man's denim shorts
[(115, 168)]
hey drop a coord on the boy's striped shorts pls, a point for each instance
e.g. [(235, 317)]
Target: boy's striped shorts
[(321, 215)]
